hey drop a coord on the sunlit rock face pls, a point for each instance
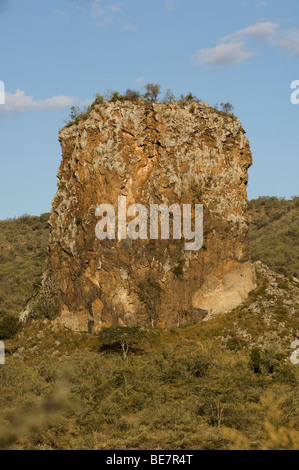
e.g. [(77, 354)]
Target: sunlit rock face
[(174, 153)]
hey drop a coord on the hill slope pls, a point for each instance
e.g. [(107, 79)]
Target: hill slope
[(274, 233), (23, 250), (223, 384)]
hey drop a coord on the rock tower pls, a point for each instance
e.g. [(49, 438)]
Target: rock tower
[(152, 153)]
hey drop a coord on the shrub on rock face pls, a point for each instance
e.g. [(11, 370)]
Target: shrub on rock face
[(45, 303), (149, 293)]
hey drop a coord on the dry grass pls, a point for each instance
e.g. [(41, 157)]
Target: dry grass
[(198, 387)]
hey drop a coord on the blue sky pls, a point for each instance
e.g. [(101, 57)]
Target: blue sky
[(56, 53)]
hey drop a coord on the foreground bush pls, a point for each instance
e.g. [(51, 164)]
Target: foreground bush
[(9, 326)]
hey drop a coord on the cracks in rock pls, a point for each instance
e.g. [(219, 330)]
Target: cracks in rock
[(127, 132), (160, 145)]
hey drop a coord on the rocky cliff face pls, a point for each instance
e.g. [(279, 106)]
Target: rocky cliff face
[(175, 153)]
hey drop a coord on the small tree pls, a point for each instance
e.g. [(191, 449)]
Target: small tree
[(75, 111), (226, 107), (152, 91), (121, 339), (169, 96), (131, 95)]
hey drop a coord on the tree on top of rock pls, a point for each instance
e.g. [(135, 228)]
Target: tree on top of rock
[(152, 91)]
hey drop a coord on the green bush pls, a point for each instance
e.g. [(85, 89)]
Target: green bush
[(265, 363), (115, 96), (9, 326), (236, 343), (189, 98), (178, 269), (199, 364), (255, 361)]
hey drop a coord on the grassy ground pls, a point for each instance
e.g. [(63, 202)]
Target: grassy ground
[(23, 250), (223, 384), (274, 233), (218, 385)]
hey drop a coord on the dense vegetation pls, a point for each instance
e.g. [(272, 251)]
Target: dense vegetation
[(223, 384), (151, 94), (274, 233), (23, 249), (200, 387)]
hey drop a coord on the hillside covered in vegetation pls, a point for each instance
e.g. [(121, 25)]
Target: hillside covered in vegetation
[(23, 251), (223, 384), (274, 233)]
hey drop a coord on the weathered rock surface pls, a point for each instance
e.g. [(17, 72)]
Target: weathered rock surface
[(153, 154)]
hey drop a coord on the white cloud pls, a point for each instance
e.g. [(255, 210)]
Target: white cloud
[(259, 30), (222, 54), (289, 41), (230, 49), (19, 102)]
